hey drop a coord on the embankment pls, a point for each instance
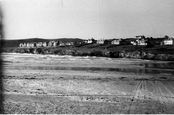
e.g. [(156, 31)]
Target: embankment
[(163, 53)]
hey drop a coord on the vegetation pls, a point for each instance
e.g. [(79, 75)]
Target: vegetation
[(149, 51)]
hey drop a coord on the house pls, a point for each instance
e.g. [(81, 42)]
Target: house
[(24, 45), (50, 44), (32, 45), (65, 43), (62, 44), (85, 41), (101, 41), (45, 44), (89, 41), (116, 41), (79, 42), (141, 42), (72, 43), (21, 45), (133, 42), (168, 42), (39, 44), (69, 43), (28, 45), (55, 44)]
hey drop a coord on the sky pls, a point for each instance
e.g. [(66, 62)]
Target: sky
[(87, 18)]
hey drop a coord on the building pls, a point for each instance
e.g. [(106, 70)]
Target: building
[(168, 42), (133, 42), (24, 45), (32, 45), (50, 44), (62, 44), (39, 44), (28, 45), (55, 44), (69, 43), (45, 44), (79, 42), (141, 42), (89, 41), (116, 41), (21, 45), (101, 41)]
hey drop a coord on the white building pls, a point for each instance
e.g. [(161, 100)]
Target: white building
[(24, 45), (116, 41), (21, 45), (62, 44), (141, 42), (55, 44), (101, 41), (89, 41), (39, 44), (45, 44), (32, 45), (168, 42), (50, 44)]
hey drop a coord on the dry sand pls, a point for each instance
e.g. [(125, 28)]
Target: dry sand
[(32, 90)]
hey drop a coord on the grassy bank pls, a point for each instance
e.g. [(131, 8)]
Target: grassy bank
[(165, 53)]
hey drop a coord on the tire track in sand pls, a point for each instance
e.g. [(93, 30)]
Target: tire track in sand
[(167, 90), (135, 96)]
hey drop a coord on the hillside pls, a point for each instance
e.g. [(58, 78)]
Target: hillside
[(15, 43), (157, 52)]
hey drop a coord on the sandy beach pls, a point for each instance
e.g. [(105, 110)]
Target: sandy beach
[(81, 85)]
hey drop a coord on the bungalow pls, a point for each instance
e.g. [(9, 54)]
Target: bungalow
[(133, 42), (72, 43), (44, 44), (69, 43), (28, 45), (89, 41), (24, 45), (50, 44), (32, 45), (85, 41), (79, 42), (141, 42), (62, 44), (116, 41), (39, 44), (101, 41), (168, 42), (55, 44), (21, 45)]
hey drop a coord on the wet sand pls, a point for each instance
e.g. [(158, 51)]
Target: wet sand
[(79, 85)]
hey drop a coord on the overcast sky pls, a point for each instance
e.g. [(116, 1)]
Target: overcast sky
[(87, 18)]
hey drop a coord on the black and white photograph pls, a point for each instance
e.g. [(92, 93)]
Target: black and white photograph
[(86, 56)]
